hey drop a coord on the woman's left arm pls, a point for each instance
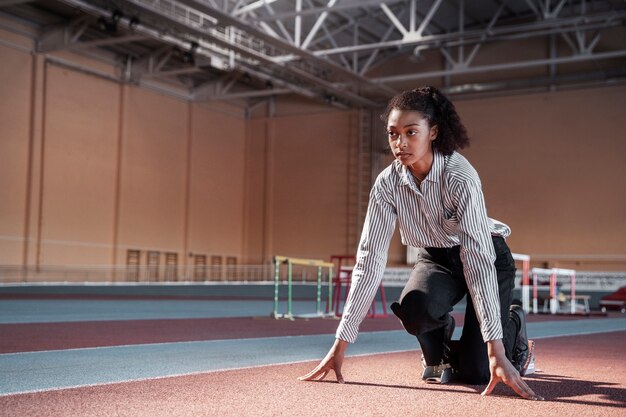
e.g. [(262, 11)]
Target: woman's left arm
[(478, 257)]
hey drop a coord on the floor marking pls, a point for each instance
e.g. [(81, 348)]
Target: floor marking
[(73, 368), (66, 311)]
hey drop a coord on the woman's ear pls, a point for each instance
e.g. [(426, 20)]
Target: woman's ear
[(434, 131)]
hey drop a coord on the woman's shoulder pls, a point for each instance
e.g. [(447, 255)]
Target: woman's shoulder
[(390, 175), (459, 169)]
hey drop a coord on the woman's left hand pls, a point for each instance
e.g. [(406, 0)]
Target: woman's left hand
[(503, 371)]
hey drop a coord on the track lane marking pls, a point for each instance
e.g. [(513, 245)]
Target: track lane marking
[(44, 371)]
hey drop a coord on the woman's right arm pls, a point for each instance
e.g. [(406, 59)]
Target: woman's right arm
[(366, 276), (371, 261)]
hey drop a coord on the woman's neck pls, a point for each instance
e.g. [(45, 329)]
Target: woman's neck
[(421, 168)]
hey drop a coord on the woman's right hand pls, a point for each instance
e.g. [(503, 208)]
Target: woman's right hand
[(332, 361)]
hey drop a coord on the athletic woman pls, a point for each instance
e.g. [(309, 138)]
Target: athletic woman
[(434, 195)]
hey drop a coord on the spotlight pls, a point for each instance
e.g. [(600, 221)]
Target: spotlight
[(102, 23), (116, 16), (417, 55), (110, 24), (188, 58), (133, 23)]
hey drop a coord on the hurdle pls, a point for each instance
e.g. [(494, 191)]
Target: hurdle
[(280, 260), (344, 276), (525, 260), (553, 296)]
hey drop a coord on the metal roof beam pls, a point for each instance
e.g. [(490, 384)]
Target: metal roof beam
[(317, 10), (485, 34), (225, 42), (250, 7), (278, 23), (107, 42), (428, 18), (522, 31), (7, 3), (502, 67), (393, 19), (248, 94), (596, 77), (225, 19), (316, 26), (170, 73)]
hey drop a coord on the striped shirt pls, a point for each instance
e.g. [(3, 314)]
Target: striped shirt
[(446, 210)]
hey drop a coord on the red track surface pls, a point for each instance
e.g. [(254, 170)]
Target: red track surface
[(581, 375), (49, 336)]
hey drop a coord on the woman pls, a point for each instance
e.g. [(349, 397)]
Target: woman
[(435, 196)]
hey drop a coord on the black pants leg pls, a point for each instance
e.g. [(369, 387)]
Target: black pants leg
[(436, 284), (472, 361)]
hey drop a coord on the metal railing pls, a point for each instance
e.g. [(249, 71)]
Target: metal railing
[(149, 274), (201, 21)]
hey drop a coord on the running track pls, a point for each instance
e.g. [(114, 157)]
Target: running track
[(154, 356)]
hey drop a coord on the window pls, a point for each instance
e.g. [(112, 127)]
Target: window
[(231, 268), (216, 267), (171, 266), (133, 257), (199, 268), (153, 265)]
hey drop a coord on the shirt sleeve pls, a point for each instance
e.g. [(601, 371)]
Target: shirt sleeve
[(370, 264), (478, 257)]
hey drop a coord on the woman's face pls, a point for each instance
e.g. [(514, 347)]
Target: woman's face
[(410, 137)]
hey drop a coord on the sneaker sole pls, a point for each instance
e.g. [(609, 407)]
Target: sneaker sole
[(527, 369)]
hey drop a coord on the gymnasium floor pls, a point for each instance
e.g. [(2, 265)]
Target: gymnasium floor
[(153, 355)]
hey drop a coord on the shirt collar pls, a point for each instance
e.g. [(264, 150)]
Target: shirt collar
[(433, 175)]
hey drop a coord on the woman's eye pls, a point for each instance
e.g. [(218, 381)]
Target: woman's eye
[(392, 134), (412, 132)]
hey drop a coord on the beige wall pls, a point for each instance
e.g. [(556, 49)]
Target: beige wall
[(553, 168), (92, 168), (153, 171), (216, 183), (299, 185), (79, 168), (15, 110), (257, 187)]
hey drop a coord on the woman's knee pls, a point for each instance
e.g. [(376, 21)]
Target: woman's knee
[(417, 314)]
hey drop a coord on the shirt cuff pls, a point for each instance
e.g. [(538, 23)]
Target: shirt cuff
[(347, 331), (491, 330)]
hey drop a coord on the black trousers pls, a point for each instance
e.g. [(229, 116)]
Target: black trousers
[(436, 284)]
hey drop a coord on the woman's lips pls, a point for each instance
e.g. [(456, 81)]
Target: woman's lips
[(402, 155)]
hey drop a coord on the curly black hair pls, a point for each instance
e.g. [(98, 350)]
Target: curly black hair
[(438, 110)]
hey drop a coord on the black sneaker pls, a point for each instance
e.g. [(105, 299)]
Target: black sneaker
[(521, 350), (442, 373)]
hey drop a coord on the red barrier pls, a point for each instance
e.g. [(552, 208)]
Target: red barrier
[(345, 264)]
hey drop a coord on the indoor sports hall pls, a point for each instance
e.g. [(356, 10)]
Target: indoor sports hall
[(200, 198)]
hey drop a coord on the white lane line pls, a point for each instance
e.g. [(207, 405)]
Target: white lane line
[(40, 371)]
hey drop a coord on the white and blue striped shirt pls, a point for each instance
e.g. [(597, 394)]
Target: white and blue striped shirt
[(446, 210)]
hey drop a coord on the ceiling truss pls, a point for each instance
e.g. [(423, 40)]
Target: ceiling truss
[(346, 53)]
